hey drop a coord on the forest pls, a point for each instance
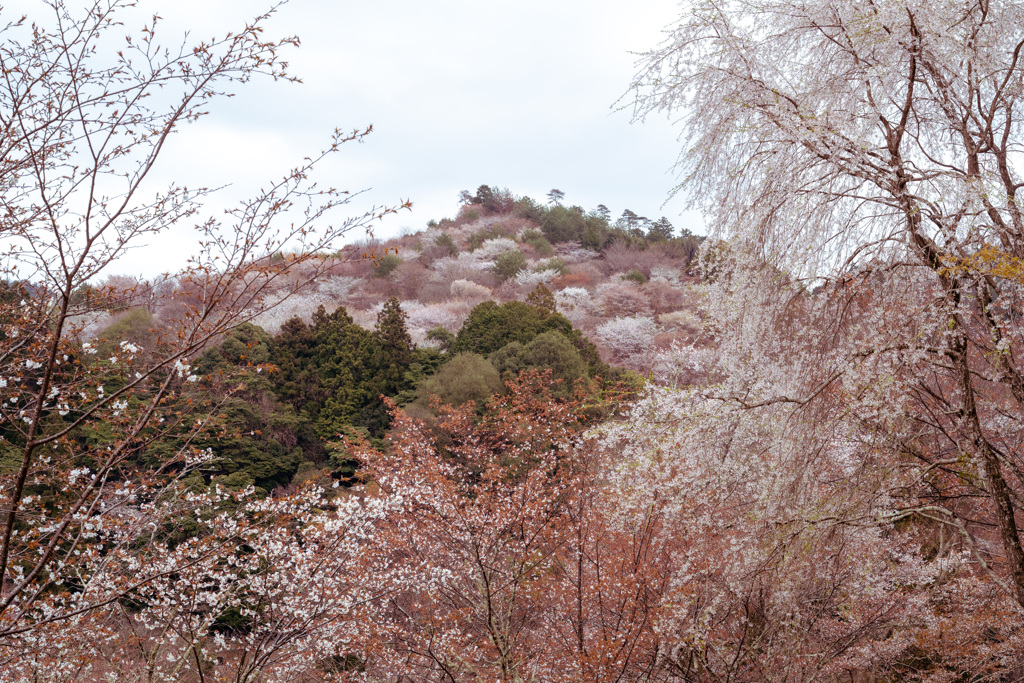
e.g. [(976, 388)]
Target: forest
[(529, 443)]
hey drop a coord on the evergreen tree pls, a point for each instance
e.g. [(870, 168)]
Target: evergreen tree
[(660, 230), (343, 359), (390, 357)]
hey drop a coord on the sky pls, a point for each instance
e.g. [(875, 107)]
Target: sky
[(530, 95)]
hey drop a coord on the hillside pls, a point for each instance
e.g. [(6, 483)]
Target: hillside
[(629, 285), (630, 289), (449, 313)]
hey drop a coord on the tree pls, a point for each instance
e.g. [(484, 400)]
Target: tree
[(466, 378), (82, 126), (631, 223), (389, 360), (491, 325), (263, 589), (561, 224), (505, 572), (555, 197), (660, 230), (628, 337), (785, 561), (253, 437), (870, 154)]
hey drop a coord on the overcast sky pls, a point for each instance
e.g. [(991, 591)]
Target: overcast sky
[(460, 92)]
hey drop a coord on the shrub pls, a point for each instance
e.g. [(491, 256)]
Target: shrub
[(573, 297), (493, 247), (386, 264), (508, 265), (468, 377), (667, 273), (664, 296), (499, 230), (445, 241), (532, 278), (555, 265), (577, 279), (462, 267), (576, 304), (468, 290), (447, 314), (622, 298), (635, 276), (537, 240), (621, 257), (476, 239)]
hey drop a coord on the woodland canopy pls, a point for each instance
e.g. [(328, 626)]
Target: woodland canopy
[(532, 445)]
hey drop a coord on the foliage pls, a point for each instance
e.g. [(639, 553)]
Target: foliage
[(491, 325), (561, 224), (542, 299), (536, 239), (628, 336), (635, 276), (555, 265), (492, 246), (466, 378), (389, 361), (252, 434), (660, 230), (386, 264), (134, 327), (445, 241), (547, 351), (508, 265), (530, 210), (511, 570), (442, 335), (496, 200)]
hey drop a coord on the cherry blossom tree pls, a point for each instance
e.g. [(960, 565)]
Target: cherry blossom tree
[(510, 567), (85, 116), (628, 337), (271, 589), (861, 166)]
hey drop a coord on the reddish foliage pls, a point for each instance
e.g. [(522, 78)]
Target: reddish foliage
[(514, 572)]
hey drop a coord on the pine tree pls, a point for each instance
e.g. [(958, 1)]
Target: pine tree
[(389, 359)]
